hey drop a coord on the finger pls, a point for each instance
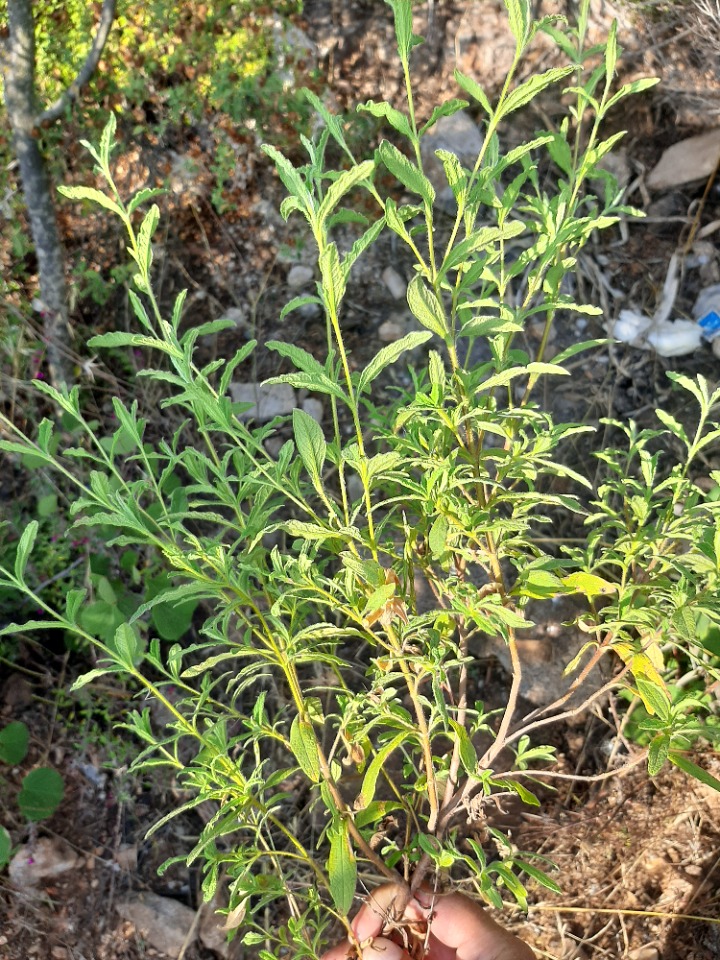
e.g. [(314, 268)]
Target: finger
[(464, 927), (384, 949), (377, 910)]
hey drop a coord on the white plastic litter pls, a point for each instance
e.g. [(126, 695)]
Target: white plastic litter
[(707, 311), (675, 338), (669, 338)]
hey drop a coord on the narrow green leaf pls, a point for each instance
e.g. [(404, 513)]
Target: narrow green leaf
[(127, 645), (446, 109), (474, 89), (658, 753), (342, 869), (298, 302), (27, 541), (5, 847), (406, 172), (289, 176), (94, 196), (147, 193), (369, 784), (426, 307), (531, 87), (468, 755), (305, 749), (693, 770), (437, 538), (384, 111), (310, 444), (344, 183), (390, 354)]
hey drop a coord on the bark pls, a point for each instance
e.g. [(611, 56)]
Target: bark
[(18, 67)]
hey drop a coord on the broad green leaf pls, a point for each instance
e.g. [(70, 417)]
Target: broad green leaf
[(654, 697), (658, 753), (41, 793), (437, 538), (520, 19), (305, 749), (540, 584), (406, 172), (426, 307), (454, 173), (127, 645), (147, 193), (342, 868), (14, 740), (588, 584), (384, 111), (27, 541), (389, 355), (94, 196), (369, 784), (310, 444)]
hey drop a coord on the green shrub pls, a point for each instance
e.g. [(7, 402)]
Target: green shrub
[(317, 682)]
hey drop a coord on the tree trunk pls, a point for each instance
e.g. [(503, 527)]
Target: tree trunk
[(19, 80), (17, 60)]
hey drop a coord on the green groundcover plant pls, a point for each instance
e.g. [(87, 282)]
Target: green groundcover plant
[(325, 713)]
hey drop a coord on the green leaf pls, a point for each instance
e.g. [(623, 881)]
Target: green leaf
[(310, 444), (342, 868), (344, 183), (5, 847), (437, 538), (369, 784), (531, 87), (118, 339), (384, 111), (88, 677), (297, 302), (41, 793), (173, 620), (47, 505), (426, 307), (27, 541), (147, 193), (446, 109), (14, 742), (655, 699), (126, 644), (520, 18), (305, 749), (468, 755), (693, 770), (289, 176), (658, 753), (589, 584), (389, 355), (454, 173), (538, 875), (95, 196), (406, 172), (474, 89)]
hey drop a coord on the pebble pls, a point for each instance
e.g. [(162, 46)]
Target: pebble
[(392, 330), (299, 276), (394, 282)]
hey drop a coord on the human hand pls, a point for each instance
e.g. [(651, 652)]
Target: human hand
[(459, 929)]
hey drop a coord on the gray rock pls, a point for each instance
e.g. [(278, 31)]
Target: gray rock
[(686, 161), (47, 858), (299, 276), (395, 327), (314, 408), (271, 400), (163, 922), (457, 134)]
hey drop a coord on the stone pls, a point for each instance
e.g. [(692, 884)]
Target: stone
[(393, 329), (299, 276), (314, 408), (692, 159), (269, 400), (163, 922), (457, 134), (48, 857), (395, 283)]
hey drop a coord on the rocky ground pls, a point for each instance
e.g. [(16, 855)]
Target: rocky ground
[(638, 858)]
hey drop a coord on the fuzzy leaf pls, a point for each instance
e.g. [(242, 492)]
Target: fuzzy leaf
[(342, 869), (389, 355), (310, 444), (406, 172), (27, 541), (304, 748), (426, 307)]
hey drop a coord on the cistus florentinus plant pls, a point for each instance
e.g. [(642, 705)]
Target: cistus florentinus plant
[(325, 714)]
